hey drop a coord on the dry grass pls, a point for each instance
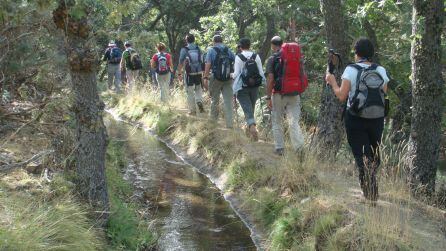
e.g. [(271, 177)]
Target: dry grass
[(34, 217), (318, 202)]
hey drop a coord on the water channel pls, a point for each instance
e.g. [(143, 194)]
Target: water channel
[(189, 211)]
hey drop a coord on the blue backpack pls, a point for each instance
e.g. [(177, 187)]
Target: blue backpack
[(115, 55)]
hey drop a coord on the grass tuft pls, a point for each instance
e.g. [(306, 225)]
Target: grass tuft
[(49, 220)]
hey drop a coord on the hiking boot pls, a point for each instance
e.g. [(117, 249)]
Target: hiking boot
[(253, 132), (279, 151), (200, 107)]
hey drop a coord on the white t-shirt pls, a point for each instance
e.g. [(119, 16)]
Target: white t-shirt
[(239, 64), (351, 74)]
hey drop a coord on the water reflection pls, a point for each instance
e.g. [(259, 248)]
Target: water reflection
[(191, 213)]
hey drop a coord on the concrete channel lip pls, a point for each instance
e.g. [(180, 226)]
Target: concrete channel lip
[(201, 167)]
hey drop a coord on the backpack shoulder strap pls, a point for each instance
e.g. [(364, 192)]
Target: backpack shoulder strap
[(216, 49), (373, 66), (358, 77), (254, 56), (242, 57)]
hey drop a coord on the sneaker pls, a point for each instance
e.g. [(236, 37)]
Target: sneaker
[(279, 151), (200, 107)]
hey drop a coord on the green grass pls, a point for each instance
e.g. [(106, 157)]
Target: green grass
[(125, 228), (268, 206), (40, 217), (326, 225), (287, 231)]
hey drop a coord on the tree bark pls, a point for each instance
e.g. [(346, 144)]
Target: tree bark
[(270, 32), (329, 131), (90, 132), (427, 91)]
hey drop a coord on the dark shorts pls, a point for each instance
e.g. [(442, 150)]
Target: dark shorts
[(193, 80)]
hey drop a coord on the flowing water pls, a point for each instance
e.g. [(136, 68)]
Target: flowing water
[(189, 211)]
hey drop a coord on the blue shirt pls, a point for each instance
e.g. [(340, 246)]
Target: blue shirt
[(212, 54), (183, 52)]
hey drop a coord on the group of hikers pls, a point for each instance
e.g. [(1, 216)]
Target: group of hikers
[(238, 77)]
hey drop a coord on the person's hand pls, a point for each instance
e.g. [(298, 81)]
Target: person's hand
[(330, 79), (205, 84), (269, 104)]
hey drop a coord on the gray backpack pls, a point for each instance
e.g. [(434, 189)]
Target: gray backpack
[(368, 100), (194, 62)]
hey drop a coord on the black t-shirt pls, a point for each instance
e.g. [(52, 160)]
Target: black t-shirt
[(270, 65)]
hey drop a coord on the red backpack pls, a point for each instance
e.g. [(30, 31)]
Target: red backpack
[(289, 73)]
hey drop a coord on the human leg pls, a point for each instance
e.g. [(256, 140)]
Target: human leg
[(293, 115), (228, 104), (215, 87), (276, 119), (359, 142)]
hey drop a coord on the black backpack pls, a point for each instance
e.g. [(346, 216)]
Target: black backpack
[(250, 73), (134, 61), (369, 98), (222, 64)]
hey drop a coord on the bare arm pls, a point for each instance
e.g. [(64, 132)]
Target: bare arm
[(269, 89), (207, 69), (122, 64), (340, 92), (269, 84), (171, 65)]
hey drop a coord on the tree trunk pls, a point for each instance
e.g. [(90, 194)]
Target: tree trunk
[(427, 91), (330, 126), (270, 32), (371, 34), (292, 30), (90, 131)]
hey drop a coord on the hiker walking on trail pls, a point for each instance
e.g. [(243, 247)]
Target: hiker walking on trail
[(286, 81), (248, 77), (131, 62), (364, 85), (113, 57), (191, 58), (220, 58), (162, 63)]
